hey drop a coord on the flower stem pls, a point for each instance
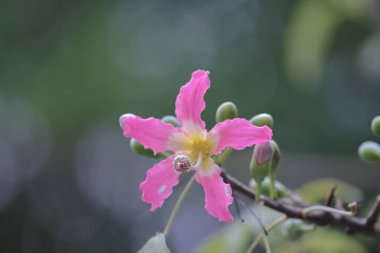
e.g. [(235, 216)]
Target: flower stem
[(272, 226), (221, 158), (177, 206)]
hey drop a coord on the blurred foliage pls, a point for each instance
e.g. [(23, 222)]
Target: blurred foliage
[(317, 190)]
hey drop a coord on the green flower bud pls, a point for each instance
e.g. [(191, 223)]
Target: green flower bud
[(281, 189), (227, 110), (293, 229), (139, 149), (170, 119), (263, 119), (375, 126), (369, 151), (260, 164)]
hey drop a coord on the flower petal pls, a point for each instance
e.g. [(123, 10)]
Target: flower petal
[(217, 194), (239, 134), (190, 103), (159, 183), (152, 133)]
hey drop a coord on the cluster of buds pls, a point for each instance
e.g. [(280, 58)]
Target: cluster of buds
[(369, 151), (265, 160)]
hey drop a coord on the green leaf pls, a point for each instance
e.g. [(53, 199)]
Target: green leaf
[(233, 238), (156, 244), (322, 241)]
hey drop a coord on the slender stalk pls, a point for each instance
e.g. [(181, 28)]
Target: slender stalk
[(307, 210), (266, 243), (221, 158), (272, 226), (272, 182), (178, 205)]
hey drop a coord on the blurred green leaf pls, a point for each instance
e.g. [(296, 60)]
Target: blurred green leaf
[(156, 244), (317, 190), (234, 238), (322, 241)]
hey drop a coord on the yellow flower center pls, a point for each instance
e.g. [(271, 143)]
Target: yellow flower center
[(199, 146)]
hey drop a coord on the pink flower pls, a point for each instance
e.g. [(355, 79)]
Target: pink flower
[(192, 140)]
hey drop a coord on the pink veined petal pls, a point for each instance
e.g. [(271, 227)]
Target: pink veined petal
[(151, 132), (217, 194), (159, 183), (190, 103), (239, 134)]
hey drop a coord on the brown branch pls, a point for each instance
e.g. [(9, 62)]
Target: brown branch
[(351, 224), (373, 214)]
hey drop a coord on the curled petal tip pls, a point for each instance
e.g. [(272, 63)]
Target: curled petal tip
[(123, 117)]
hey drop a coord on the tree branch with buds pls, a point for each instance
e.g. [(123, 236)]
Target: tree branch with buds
[(296, 210)]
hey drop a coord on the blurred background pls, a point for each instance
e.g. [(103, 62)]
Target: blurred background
[(69, 69)]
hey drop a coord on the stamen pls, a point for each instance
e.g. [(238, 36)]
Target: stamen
[(199, 161)]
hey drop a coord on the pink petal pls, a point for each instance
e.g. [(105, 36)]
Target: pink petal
[(239, 134), (217, 194), (190, 103), (151, 132), (159, 183)]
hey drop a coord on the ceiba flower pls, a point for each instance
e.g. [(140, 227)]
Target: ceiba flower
[(192, 147)]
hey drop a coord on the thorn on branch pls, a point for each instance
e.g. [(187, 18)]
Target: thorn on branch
[(331, 196)]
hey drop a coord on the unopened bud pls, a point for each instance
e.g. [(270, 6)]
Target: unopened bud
[(369, 151), (375, 126), (139, 149), (260, 164), (170, 119), (227, 110), (281, 189), (123, 117), (293, 229), (263, 119), (263, 152)]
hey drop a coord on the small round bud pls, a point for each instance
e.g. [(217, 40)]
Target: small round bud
[(170, 119), (182, 163), (375, 126), (293, 229), (139, 149), (227, 110), (262, 119), (281, 189), (123, 117), (369, 151)]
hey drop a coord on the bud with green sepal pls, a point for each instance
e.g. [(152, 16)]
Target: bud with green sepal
[(170, 119), (225, 111), (369, 151), (375, 126), (260, 164), (282, 191), (272, 170), (139, 149), (262, 119)]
